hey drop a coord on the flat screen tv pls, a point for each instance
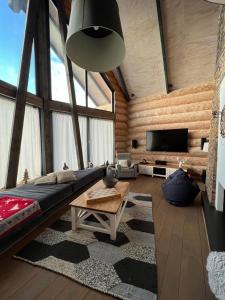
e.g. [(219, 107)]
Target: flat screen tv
[(172, 140)]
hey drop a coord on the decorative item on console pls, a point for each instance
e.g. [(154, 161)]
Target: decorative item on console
[(144, 161), (181, 161), (161, 162)]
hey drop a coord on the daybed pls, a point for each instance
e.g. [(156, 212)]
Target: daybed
[(50, 199)]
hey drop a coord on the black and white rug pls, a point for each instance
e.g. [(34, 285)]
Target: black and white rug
[(125, 268)]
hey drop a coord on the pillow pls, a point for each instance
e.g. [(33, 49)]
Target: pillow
[(65, 176), (123, 163), (50, 179), (129, 163)]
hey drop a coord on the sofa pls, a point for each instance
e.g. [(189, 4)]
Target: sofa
[(179, 189), (50, 199), (129, 170)]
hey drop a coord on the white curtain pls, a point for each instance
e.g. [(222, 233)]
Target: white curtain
[(101, 141), (63, 142), (6, 118), (83, 134), (30, 153)]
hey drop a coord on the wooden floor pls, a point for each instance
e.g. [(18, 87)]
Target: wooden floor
[(181, 254)]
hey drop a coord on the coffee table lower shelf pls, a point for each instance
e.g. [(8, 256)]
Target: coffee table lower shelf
[(79, 215)]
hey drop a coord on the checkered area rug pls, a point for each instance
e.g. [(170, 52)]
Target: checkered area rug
[(124, 268)]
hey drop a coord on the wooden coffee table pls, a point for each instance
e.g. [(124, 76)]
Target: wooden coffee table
[(112, 208)]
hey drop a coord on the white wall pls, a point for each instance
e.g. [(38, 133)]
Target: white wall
[(220, 184)]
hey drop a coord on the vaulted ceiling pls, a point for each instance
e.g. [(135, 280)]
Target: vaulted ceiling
[(188, 37)]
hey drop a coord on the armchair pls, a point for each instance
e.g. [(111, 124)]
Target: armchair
[(124, 166)]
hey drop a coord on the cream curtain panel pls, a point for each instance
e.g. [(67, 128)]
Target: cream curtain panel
[(101, 141), (30, 155), (63, 142), (6, 118), (83, 134)]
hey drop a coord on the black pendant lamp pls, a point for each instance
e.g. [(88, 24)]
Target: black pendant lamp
[(95, 39)]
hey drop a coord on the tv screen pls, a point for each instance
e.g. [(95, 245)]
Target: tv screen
[(173, 140)]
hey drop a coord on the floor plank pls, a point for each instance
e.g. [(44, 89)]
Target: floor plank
[(72, 291), (38, 283), (192, 284), (53, 289), (181, 252)]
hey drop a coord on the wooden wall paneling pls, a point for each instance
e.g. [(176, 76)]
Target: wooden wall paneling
[(191, 110), (43, 85), (21, 94), (190, 107), (69, 75), (169, 101)]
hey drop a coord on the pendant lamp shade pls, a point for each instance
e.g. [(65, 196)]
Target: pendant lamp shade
[(95, 39)]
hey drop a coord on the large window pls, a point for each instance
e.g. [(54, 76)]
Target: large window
[(12, 25), (6, 119), (101, 141), (100, 96), (30, 153), (58, 77), (64, 150), (58, 71)]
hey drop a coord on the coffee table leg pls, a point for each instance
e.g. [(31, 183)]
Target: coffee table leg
[(113, 227), (74, 217)]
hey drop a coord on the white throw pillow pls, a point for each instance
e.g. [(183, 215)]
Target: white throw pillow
[(50, 179), (123, 163), (65, 176)]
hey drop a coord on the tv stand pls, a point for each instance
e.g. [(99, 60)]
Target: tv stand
[(157, 170)]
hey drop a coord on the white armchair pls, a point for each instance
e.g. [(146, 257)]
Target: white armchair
[(125, 167)]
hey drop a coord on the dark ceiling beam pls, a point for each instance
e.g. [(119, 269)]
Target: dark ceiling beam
[(21, 95), (71, 89), (107, 81), (163, 46), (43, 85), (123, 84)]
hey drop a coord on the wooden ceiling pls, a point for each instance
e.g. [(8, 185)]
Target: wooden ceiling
[(190, 37)]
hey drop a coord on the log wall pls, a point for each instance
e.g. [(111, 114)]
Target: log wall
[(121, 111), (185, 108)]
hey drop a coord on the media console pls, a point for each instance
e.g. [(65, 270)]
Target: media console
[(157, 170)]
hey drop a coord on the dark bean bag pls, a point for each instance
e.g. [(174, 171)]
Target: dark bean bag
[(179, 189)]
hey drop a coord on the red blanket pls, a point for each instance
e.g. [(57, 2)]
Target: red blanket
[(16, 211)]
